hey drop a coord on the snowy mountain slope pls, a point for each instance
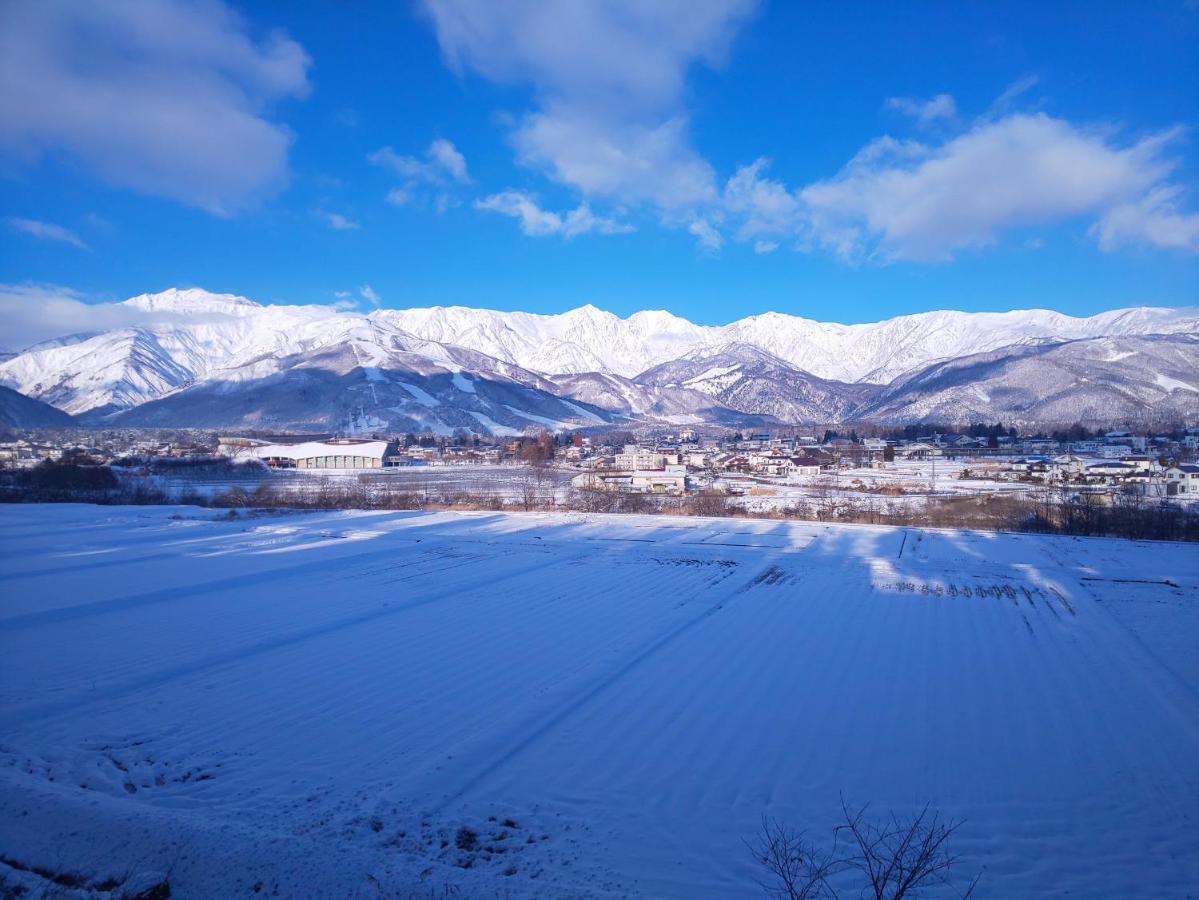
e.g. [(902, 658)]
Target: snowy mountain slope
[(878, 352), (366, 382), (742, 377), (588, 339), (19, 411), (1100, 379), (113, 370), (581, 340), (669, 403), (177, 340)]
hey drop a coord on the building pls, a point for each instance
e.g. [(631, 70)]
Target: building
[(805, 465), (670, 480), (1108, 471), (1182, 479), (770, 464), (632, 458), (335, 454), (1135, 441)]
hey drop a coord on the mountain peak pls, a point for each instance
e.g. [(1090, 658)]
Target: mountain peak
[(587, 311)]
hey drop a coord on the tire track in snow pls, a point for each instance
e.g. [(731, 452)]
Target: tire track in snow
[(575, 704), (240, 654), (164, 595), (88, 567)]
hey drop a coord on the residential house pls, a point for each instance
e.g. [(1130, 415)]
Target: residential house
[(1183, 479)]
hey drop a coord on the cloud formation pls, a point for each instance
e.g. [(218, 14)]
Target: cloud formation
[(537, 222), (367, 293), (608, 80), (164, 97), (925, 111), (911, 201), (609, 119), (338, 222), (47, 231), (907, 200), (429, 178), (709, 239), (31, 313), (441, 162), (1155, 219)]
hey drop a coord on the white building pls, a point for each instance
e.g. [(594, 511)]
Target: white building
[(336, 454), (632, 458), (1182, 479), (770, 464), (670, 480)]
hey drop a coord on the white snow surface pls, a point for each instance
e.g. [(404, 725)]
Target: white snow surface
[(314, 703), (1166, 383)]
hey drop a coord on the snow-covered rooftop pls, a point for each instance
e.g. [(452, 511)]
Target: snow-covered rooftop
[(310, 449)]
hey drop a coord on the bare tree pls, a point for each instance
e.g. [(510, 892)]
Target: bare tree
[(797, 870), (536, 487), (899, 858), (893, 859)]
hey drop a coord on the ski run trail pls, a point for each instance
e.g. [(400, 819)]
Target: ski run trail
[(318, 705)]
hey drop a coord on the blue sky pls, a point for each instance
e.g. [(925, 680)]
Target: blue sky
[(845, 162)]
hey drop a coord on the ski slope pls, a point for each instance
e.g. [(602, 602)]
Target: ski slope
[(317, 704)]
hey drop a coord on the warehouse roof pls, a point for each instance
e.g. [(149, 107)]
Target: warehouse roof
[(310, 449)]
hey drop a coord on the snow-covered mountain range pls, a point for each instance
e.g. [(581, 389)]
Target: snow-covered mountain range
[(591, 340), (190, 357)]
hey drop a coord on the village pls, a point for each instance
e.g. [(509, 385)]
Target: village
[(676, 463)]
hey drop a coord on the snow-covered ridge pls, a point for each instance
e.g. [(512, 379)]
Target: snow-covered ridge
[(173, 340), (591, 340)]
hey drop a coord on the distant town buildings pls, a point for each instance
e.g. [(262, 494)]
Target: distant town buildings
[(686, 460)]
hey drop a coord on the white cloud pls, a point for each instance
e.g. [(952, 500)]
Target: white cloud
[(446, 155), (764, 206), (913, 201), (765, 246), (710, 240), (30, 313), (47, 231), (338, 222), (429, 179), (442, 160), (367, 293), (909, 201), (161, 96), (1154, 219), (1018, 88), (925, 111), (628, 161), (538, 222), (608, 80)]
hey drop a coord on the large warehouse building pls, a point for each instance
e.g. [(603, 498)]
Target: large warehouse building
[(334, 454)]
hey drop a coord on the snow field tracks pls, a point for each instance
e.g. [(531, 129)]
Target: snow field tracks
[(333, 698)]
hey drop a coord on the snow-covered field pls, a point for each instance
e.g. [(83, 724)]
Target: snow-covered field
[(315, 705)]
